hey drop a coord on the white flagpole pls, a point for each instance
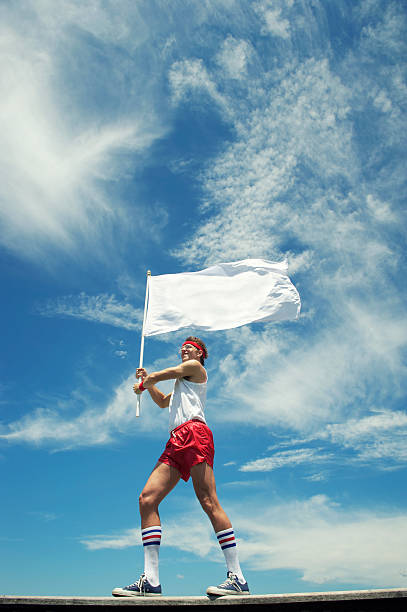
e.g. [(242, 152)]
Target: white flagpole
[(142, 340)]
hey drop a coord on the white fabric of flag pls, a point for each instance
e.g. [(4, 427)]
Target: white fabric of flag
[(224, 296)]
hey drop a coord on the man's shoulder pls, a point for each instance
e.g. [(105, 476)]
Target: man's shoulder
[(195, 371)]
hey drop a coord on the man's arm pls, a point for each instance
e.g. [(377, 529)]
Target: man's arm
[(191, 369), (162, 400)]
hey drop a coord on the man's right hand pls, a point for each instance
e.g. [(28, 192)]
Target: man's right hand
[(136, 389)]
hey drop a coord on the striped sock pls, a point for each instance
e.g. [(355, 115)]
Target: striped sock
[(227, 541), (151, 538)]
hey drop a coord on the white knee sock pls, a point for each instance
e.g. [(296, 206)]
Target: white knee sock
[(151, 537), (227, 541)]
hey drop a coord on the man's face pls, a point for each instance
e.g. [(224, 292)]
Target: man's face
[(190, 352)]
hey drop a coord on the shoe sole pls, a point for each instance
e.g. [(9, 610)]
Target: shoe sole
[(124, 593), (220, 592)]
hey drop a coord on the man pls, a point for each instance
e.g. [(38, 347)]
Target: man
[(189, 452)]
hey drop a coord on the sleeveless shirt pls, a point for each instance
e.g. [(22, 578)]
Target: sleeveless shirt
[(187, 402)]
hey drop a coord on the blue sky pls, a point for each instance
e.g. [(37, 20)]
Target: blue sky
[(169, 136)]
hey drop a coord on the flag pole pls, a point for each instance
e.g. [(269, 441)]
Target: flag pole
[(142, 340)]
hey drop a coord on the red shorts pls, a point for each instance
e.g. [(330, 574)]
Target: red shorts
[(189, 444)]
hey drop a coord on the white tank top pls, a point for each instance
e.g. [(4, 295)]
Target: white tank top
[(187, 402)]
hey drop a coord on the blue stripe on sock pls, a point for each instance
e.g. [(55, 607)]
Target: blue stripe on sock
[(151, 543), (143, 533), (228, 545), (226, 534)]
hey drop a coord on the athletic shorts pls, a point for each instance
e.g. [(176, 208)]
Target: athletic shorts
[(189, 444)]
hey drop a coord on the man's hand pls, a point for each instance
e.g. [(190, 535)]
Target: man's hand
[(140, 373), (136, 389), (146, 380)]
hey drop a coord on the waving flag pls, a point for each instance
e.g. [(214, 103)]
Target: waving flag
[(223, 296)]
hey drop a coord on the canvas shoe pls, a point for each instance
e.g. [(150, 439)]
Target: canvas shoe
[(231, 586), (141, 587)]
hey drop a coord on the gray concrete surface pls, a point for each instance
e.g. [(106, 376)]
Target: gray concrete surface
[(378, 600)]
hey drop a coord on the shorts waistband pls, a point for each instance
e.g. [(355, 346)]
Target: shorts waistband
[(186, 423)]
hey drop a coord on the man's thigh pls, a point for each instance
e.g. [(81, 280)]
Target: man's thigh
[(161, 481), (203, 480)]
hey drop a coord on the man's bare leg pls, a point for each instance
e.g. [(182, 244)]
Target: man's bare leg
[(162, 480), (203, 480), (205, 488)]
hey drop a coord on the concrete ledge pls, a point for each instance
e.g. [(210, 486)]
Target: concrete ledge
[(379, 600)]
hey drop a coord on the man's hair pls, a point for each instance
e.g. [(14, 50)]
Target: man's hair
[(202, 345)]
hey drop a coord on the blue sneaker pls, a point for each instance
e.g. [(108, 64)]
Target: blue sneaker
[(231, 586), (140, 588)]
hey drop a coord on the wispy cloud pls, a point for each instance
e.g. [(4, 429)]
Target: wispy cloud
[(93, 425), (284, 458), (98, 308), (200, 541), (303, 383), (64, 150), (234, 56), (244, 483), (44, 516), (315, 537), (274, 22), (251, 183), (326, 543), (378, 439), (292, 175), (379, 436), (190, 77)]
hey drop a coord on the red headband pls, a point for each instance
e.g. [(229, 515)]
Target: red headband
[(196, 346)]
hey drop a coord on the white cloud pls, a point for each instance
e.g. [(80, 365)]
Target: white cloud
[(317, 477), (284, 458), (44, 516), (188, 532), (233, 57), (60, 157), (275, 24), (355, 430), (302, 384), (244, 483), (328, 391), (130, 537), (191, 77), (326, 544), (251, 185), (379, 439), (381, 210), (383, 102), (292, 175), (387, 34), (314, 537), (374, 438), (94, 425), (101, 308)]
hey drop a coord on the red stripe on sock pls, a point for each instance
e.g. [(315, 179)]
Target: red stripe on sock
[(227, 540)]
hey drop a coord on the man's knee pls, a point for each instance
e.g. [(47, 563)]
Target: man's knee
[(147, 500), (208, 501)]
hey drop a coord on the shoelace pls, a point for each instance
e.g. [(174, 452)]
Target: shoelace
[(139, 583), (231, 580)]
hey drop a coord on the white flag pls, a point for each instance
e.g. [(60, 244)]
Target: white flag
[(221, 297)]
